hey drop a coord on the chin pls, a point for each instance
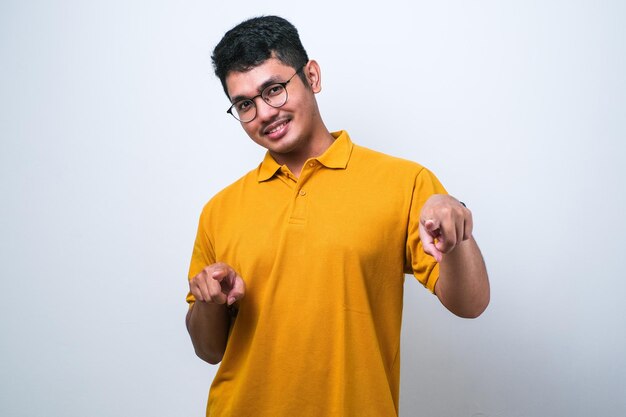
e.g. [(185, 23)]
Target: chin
[(282, 146)]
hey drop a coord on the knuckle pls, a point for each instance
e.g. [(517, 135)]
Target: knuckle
[(210, 268), (217, 298), (195, 281), (213, 286)]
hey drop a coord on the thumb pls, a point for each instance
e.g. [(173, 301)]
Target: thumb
[(428, 239)]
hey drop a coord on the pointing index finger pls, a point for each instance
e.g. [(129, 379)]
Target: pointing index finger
[(432, 228), (219, 274)]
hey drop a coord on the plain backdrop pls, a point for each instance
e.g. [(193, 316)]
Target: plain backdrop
[(114, 134)]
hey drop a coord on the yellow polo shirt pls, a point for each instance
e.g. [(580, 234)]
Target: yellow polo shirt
[(323, 258)]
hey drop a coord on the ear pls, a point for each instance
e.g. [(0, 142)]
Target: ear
[(313, 75)]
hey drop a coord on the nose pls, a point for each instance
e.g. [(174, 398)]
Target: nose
[(264, 111)]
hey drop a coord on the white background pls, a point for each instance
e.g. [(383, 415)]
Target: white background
[(114, 134)]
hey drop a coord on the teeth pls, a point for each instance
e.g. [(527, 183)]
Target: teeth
[(277, 128)]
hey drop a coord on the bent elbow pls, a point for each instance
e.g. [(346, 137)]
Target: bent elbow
[(213, 360), (476, 311), (471, 314), (211, 357)]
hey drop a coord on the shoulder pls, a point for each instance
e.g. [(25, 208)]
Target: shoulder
[(231, 193), (392, 166)]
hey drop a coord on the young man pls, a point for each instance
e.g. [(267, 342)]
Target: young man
[(298, 267)]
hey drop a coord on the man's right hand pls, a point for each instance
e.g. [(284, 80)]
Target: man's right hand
[(218, 284)]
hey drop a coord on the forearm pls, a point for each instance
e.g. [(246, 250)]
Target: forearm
[(463, 285), (208, 325)]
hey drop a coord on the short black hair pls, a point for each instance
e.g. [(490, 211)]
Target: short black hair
[(256, 40)]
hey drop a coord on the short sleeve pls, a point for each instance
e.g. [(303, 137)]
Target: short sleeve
[(417, 262), (203, 253)]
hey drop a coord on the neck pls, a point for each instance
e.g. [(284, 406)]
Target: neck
[(296, 160)]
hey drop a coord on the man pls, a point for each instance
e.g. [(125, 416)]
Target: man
[(298, 267)]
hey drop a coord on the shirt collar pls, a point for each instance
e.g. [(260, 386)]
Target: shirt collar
[(268, 168), (338, 154), (335, 157)]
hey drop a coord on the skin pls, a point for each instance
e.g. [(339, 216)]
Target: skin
[(208, 321), (292, 134), (446, 234)]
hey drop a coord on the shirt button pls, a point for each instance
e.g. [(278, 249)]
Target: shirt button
[(311, 164), (302, 193)]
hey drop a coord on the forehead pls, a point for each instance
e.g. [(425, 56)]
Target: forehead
[(249, 83)]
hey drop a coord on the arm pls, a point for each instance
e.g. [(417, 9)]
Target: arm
[(446, 233), (208, 321), (463, 285)]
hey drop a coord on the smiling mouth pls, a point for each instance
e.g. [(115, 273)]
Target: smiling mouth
[(277, 128)]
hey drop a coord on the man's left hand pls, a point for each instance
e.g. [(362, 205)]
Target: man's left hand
[(444, 223)]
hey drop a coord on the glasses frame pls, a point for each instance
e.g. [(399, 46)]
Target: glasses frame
[(231, 110)]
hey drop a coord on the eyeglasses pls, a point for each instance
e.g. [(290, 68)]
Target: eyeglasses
[(275, 95)]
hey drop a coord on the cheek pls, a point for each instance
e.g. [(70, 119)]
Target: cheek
[(309, 106), (250, 129)]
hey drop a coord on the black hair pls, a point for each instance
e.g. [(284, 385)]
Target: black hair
[(256, 40)]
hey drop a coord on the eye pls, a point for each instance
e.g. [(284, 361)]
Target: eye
[(243, 106), (274, 90)]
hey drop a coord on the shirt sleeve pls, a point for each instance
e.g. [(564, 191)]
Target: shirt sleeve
[(203, 252), (417, 262)]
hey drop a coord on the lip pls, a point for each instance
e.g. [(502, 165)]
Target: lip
[(277, 129)]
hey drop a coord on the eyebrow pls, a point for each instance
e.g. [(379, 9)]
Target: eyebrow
[(274, 79)]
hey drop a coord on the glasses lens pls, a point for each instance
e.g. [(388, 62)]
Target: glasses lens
[(275, 95), (243, 110)]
